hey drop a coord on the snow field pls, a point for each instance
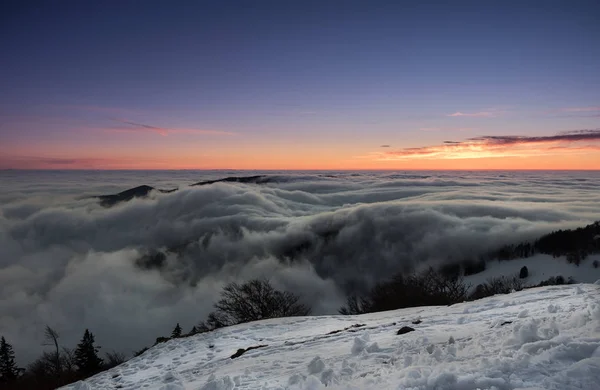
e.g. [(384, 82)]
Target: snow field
[(544, 338)]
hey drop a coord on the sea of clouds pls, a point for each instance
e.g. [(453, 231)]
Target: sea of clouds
[(70, 263)]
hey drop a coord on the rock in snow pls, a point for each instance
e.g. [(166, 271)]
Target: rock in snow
[(553, 346), (405, 329)]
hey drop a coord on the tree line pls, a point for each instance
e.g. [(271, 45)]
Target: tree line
[(435, 287), (239, 303), (574, 244), (56, 368)]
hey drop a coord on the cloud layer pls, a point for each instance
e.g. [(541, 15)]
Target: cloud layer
[(67, 262)]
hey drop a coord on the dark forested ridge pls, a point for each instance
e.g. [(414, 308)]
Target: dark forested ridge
[(127, 195), (144, 190), (257, 179), (575, 244)]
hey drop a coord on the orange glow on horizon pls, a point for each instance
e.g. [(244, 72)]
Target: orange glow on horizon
[(568, 162), (494, 153)]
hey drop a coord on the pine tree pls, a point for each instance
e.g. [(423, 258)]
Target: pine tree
[(176, 332), (195, 330), (8, 368), (86, 354)]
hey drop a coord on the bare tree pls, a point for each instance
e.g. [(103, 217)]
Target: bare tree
[(51, 339), (355, 305), (251, 301), (68, 359), (114, 359)]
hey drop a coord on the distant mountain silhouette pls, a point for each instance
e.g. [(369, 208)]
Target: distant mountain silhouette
[(144, 190), (137, 192), (258, 179)]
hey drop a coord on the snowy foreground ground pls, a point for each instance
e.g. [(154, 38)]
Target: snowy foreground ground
[(543, 338)]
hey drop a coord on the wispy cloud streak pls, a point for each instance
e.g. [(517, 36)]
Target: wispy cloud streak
[(131, 126), (580, 109), (482, 114), (447, 128), (577, 141)]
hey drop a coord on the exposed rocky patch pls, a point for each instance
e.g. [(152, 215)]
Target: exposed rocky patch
[(405, 329), (242, 351)]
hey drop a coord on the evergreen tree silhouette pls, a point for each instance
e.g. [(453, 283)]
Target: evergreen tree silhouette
[(176, 332), (8, 368), (86, 355)]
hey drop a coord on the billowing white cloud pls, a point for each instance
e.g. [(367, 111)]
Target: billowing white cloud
[(70, 263)]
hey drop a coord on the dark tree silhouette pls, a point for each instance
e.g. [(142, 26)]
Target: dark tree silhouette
[(86, 355), (355, 305), (51, 336), (251, 301), (8, 368), (176, 332), (425, 289), (575, 244), (524, 273), (497, 285)]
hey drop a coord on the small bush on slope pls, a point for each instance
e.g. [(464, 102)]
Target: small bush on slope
[(497, 285), (555, 280), (251, 301), (429, 288)]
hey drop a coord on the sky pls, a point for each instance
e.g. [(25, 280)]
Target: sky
[(299, 85)]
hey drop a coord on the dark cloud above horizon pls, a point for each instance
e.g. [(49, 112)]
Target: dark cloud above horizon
[(574, 141)]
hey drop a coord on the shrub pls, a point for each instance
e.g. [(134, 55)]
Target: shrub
[(355, 305), (472, 267), (595, 263), (524, 273), (451, 270), (252, 301), (114, 359), (497, 285), (554, 280), (425, 289), (576, 257)]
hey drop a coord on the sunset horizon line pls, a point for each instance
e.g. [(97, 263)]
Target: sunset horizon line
[(304, 170)]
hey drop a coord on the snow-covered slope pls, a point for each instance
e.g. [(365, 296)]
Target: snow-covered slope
[(543, 338)]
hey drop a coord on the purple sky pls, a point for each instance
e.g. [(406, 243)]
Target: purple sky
[(277, 84)]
